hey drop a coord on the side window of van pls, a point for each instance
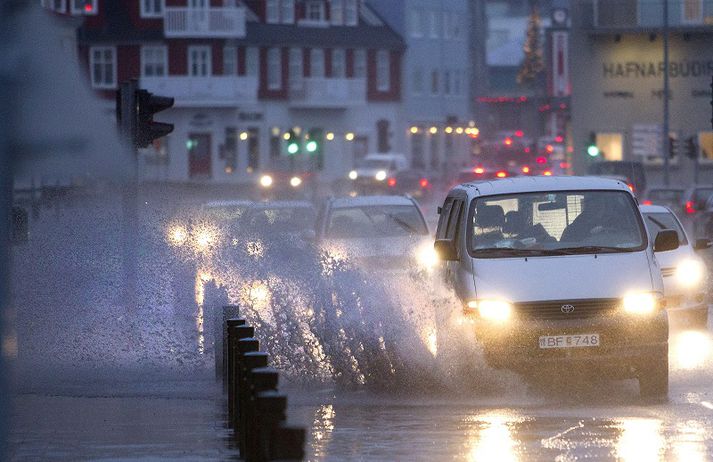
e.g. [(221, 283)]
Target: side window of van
[(443, 218), (454, 220)]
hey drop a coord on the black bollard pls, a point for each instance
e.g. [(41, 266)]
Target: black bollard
[(236, 333), (255, 380), (271, 407), (225, 348), (220, 339), (245, 345), (287, 444)]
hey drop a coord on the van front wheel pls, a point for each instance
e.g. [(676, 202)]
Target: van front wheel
[(653, 379)]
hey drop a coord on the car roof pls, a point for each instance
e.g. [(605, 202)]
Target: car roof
[(366, 201), (654, 209), (227, 203), (281, 205), (523, 184)]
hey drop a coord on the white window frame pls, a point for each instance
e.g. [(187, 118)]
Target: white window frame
[(287, 11), (147, 60), (80, 11), (230, 60), (339, 63), (207, 63), (252, 61), (383, 70), (351, 13), (152, 14), (313, 54), (296, 68), (112, 62), (336, 12), (60, 6), (359, 63), (433, 24), (320, 9), (272, 11), (274, 68)]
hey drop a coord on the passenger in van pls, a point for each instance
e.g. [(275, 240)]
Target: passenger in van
[(490, 219), (599, 214), (516, 225)]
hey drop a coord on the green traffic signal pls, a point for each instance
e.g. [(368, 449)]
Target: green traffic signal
[(593, 150), (311, 146), (293, 148)]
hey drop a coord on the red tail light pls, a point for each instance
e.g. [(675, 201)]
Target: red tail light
[(647, 202), (519, 133), (689, 208), (501, 174), (423, 182), (391, 182), (508, 141), (541, 160)]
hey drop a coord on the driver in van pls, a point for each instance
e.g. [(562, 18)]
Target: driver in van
[(599, 213)]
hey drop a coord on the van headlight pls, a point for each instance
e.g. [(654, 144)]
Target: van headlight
[(491, 310), (380, 175), (266, 181), (426, 256), (641, 303), (689, 273), (353, 175)]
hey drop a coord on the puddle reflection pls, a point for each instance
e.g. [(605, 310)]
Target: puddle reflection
[(494, 439), (641, 440)]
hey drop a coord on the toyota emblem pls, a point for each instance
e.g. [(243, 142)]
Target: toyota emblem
[(567, 308)]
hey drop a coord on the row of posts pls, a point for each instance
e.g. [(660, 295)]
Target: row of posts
[(256, 409)]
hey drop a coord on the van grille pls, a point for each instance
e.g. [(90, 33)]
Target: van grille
[(666, 272), (553, 310)]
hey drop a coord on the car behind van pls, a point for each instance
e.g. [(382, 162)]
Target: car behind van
[(556, 275)]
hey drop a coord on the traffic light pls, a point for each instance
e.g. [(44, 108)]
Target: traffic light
[(147, 130), (691, 147), (592, 148), (313, 141), (293, 143)]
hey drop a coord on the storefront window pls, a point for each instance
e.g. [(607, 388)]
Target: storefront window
[(705, 146), (610, 146)]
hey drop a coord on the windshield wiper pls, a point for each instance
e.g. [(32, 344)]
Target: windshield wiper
[(402, 223), (509, 251), (592, 249)]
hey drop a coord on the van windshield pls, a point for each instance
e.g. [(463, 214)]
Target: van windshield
[(554, 223)]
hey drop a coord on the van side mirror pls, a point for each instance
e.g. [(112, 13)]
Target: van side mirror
[(702, 244), (666, 240), (446, 249)]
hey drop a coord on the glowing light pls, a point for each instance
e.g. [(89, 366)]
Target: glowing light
[(501, 174), (559, 139), (519, 133), (691, 350), (295, 181), (508, 141), (228, 169), (426, 256), (433, 130), (353, 175), (640, 440), (541, 160), (292, 148), (430, 339), (549, 148), (413, 130), (311, 146), (493, 310), (349, 136), (525, 169), (593, 150), (177, 235), (297, 130), (459, 130), (255, 249), (690, 273), (275, 131), (449, 130), (266, 181), (244, 136), (564, 164), (474, 132), (380, 175), (286, 136), (204, 238), (423, 182), (478, 170), (391, 182), (547, 173), (494, 440), (330, 136), (88, 8), (640, 303)]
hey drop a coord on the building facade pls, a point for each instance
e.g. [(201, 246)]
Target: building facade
[(618, 80), (244, 75), (436, 79)]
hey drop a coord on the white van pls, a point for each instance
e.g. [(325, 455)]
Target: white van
[(557, 272)]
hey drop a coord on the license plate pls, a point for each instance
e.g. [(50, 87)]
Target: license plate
[(569, 341)]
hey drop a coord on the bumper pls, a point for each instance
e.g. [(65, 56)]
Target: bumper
[(627, 344)]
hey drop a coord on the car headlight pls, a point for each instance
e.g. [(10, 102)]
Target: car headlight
[(641, 303), (426, 256), (266, 181), (492, 310), (353, 175), (177, 235), (204, 238), (295, 181), (380, 175), (689, 273)]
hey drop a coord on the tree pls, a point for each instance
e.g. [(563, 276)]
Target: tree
[(532, 64)]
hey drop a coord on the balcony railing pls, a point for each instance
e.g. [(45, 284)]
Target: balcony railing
[(208, 91), (647, 14), (227, 22), (327, 92)]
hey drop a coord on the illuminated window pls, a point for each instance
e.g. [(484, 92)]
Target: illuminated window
[(610, 145), (705, 146)]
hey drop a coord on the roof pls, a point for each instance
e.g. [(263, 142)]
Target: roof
[(654, 209), (367, 201), (524, 184)]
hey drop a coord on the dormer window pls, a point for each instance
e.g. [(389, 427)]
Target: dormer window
[(151, 8), (280, 11), (315, 11)]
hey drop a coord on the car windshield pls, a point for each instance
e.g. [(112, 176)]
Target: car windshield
[(554, 223), (375, 163), (701, 196), (658, 221), (280, 219), (375, 221)]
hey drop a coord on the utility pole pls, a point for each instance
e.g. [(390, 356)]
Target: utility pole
[(664, 135)]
